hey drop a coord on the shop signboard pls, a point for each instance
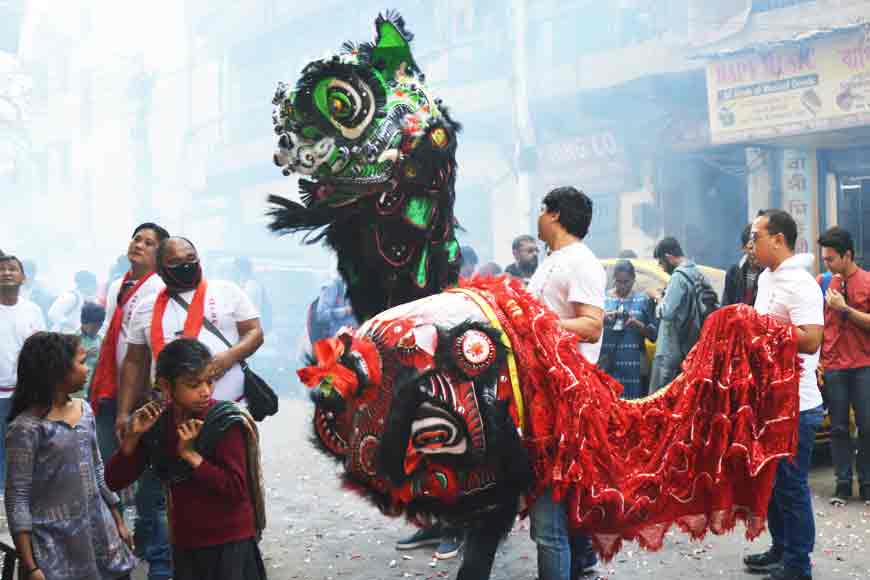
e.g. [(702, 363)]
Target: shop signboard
[(598, 164), (798, 88), (797, 195), (596, 161)]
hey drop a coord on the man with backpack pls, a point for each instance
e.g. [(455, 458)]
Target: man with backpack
[(687, 301)]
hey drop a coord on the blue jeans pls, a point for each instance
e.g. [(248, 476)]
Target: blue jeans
[(107, 441), (561, 556), (790, 512), (152, 528), (5, 405), (844, 389)]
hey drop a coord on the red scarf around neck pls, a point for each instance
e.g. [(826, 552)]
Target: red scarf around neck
[(192, 324), (104, 384)]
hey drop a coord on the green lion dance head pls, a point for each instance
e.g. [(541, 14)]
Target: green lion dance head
[(376, 155)]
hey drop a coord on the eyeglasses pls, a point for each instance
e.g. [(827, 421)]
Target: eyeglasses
[(754, 236)]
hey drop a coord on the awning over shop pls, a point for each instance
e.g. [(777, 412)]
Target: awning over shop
[(802, 22)]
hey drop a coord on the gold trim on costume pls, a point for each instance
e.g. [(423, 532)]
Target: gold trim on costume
[(511, 360)]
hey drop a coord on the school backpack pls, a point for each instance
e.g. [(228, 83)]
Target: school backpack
[(703, 301)]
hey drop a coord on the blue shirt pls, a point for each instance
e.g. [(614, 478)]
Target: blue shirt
[(624, 348)]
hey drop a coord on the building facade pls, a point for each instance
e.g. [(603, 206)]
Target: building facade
[(793, 89)]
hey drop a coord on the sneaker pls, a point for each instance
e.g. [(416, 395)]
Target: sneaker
[(765, 562), (448, 548), (590, 562), (842, 493), (422, 537), (788, 574)]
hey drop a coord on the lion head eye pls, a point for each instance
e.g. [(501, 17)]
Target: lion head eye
[(340, 106)]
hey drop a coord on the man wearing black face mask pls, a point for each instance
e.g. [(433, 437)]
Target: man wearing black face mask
[(163, 318)]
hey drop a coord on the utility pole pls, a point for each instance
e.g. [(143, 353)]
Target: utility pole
[(525, 155), (140, 92)]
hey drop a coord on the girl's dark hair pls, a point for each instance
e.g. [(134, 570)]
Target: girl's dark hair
[(45, 360), (182, 357), (625, 267)]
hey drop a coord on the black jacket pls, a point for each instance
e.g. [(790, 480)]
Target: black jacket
[(735, 284)]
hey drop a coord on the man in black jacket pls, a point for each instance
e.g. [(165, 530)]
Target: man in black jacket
[(741, 280)]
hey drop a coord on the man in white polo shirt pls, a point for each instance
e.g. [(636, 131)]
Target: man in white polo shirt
[(18, 320), (571, 282), (161, 318), (787, 292)]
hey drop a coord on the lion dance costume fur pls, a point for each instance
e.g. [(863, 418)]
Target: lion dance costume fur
[(454, 402)]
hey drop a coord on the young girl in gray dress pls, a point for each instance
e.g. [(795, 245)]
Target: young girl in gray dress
[(63, 519)]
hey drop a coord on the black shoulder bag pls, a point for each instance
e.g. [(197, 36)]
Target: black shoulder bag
[(261, 398)]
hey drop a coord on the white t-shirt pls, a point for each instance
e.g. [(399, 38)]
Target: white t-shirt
[(255, 292), (65, 314), (225, 306), (17, 323), (568, 276), (791, 294), (152, 286)]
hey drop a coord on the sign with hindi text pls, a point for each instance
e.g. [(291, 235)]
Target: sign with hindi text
[(798, 173)]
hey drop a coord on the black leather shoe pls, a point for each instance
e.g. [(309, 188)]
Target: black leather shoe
[(765, 562), (842, 493)]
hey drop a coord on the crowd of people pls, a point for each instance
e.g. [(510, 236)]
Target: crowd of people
[(130, 401), (130, 406)]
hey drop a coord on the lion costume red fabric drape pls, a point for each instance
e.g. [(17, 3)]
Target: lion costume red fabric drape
[(701, 453)]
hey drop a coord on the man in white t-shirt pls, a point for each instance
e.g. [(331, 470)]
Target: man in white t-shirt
[(161, 319), (787, 292), (571, 282), (18, 320), (66, 312)]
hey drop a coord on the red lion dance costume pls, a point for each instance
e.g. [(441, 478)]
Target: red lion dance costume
[(457, 403), (412, 403)]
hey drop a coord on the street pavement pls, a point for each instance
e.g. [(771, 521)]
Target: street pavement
[(319, 531)]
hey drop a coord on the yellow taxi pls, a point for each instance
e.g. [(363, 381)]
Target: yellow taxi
[(650, 276)]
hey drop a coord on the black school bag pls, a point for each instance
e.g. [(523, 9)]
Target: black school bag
[(703, 302)]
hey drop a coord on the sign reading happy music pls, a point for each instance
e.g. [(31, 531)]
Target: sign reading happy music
[(799, 88)]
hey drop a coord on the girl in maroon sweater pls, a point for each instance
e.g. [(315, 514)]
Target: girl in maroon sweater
[(206, 452)]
